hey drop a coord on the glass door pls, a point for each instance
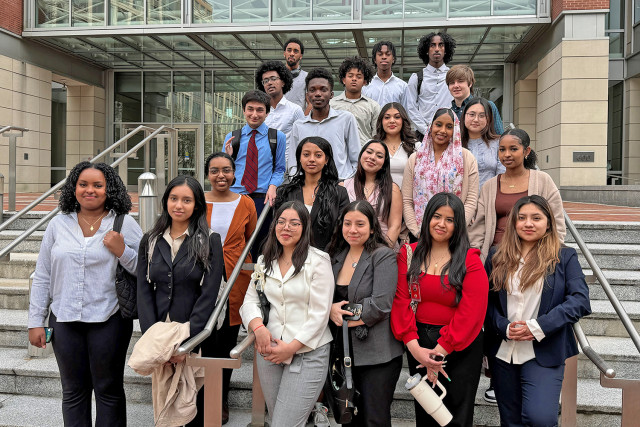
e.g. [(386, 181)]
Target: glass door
[(189, 139)]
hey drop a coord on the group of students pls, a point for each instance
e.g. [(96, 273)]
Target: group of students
[(404, 231)]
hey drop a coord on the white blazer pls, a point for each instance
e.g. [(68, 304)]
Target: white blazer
[(300, 304)]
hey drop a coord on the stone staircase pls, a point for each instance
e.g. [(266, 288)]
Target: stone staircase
[(30, 387)]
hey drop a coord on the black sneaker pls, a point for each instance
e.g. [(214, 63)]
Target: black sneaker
[(490, 395)]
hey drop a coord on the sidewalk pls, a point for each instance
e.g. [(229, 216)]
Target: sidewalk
[(576, 211)]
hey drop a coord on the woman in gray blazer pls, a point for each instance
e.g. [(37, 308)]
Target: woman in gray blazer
[(365, 270)]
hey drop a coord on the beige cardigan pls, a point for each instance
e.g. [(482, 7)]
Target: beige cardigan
[(483, 229), (469, 194)]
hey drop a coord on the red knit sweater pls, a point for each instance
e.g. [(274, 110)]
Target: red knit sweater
[(461, 323)]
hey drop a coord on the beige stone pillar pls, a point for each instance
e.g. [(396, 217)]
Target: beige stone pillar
[(524, 107), (25, 101), (631, 147), (85, 123), (572, 102)]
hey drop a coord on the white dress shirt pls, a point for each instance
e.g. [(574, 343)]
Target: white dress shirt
[(300, 304), (340, 129), (364, 109), (393, 90), (434, 94), (282, 118), (298, 91), (522, 306)]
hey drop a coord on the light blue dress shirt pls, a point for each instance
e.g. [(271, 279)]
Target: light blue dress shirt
[(392, 90), (488, 162), (76, 276)]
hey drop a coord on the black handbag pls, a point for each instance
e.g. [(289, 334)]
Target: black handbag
[(126, 283), (339, 388)]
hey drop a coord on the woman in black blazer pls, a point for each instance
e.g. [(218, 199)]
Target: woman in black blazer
[(366, 273), (181, 279), (316, 185), (537, 292)]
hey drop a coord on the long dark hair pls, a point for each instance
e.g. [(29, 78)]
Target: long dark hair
[(530, 160), (118, 199), (407, 136), (456, 268), (375, 240), (198, 243), (272, 248), (383, 181), (489, 133), (327, 192)]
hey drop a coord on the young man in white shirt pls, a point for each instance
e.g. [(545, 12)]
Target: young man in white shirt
[(293, 51), (339, 128), (426, 94), (385, 87), (274, 78), (354, 74)]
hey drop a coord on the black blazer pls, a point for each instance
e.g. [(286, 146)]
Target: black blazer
[(322, 236), (565, 299), (174, 287), (373, 285)]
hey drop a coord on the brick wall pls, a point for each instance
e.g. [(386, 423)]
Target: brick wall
[(11, 16), (558, 6)]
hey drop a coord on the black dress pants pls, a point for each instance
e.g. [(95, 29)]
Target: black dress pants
[(463, 368), (91, 358), (219, 344)]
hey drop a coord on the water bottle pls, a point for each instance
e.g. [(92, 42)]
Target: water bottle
[(429, 399)]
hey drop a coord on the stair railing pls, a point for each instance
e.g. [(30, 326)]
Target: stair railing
[(630, 387), (7, 250), (13, 137)]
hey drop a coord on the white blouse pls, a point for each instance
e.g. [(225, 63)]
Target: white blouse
[(221, 217), (522, 306), (300, 304), (398, 162)]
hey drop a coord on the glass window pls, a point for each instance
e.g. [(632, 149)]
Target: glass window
[(127, 97), (163, 11), (636, 11), (210, 11), (208, 98), (291, 10), (331, 10), (87, 12), (616, 47), (389, 9), (615, 17), (249, 11), (463, 8), (425, 9), (615, 126), (52, 13), (510, 7), (157, 97), (187, 97), (126, 12)]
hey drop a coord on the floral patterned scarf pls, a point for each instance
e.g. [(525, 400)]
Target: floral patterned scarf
[(431, 178)]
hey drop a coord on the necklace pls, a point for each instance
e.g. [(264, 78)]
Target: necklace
[(368, 191), (392, 150), (439, 259), (354, 263), (94, 223), (504, 179)]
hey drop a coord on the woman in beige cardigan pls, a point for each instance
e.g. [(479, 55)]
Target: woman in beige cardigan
[(500, 193), (440, 164)]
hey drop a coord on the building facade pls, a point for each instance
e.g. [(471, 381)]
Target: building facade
[(80, 74)]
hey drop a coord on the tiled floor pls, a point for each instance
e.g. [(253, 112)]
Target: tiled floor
[(576, 211)]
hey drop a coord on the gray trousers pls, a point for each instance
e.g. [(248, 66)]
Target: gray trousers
[(291, 391)]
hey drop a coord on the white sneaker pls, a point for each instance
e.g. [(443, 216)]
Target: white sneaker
[(490, 395), (321, 418)]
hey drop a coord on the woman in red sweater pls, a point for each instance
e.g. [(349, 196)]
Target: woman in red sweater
[(440, 305)]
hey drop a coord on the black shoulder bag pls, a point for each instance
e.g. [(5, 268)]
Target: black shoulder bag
[(126, 283), (339, 388)]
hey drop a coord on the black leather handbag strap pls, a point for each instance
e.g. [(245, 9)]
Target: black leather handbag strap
[(117, 223), (347, 357)]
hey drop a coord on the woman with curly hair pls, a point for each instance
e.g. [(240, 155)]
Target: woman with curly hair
[(316, 185), (75, 278), (428, 91), (372, 182)]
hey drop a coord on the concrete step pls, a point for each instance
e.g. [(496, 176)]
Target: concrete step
[(27, 220), (620, 353), (625, 285), (17, 268), (611, 256), (620, 232), (604, 321), (30, 244), (14, 294)]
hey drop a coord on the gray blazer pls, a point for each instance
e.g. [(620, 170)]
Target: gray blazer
[(373, 285)]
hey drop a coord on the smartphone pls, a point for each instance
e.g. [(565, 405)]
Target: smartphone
[(48, 333), (437, 357), (354, 308)]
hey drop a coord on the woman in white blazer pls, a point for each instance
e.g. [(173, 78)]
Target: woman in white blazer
[(297, 281)]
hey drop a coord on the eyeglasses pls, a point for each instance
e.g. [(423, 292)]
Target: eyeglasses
[(216, 171), (293, 224), (480, 116), (270, 79)]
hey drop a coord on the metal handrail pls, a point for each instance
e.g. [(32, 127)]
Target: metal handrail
[(237, 351), (615, 302), (593, 355), (208, 328), (3, 129), (51, 214)]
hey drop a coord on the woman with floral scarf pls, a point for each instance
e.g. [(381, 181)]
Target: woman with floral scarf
[(440, 164)]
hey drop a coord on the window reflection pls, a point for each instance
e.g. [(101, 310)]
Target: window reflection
[(291, 10), (126, 12), (163, 11), (157, 97), (187, 97), (209, 11), (52, 13), (249, 10), (127, 106), (331, 10), (88, 12)]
